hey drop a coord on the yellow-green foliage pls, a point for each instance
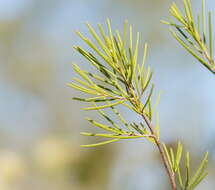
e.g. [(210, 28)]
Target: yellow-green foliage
[(195, 37), (122, 78), (188, 182)]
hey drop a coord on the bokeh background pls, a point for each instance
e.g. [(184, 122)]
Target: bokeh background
[(40, 124)]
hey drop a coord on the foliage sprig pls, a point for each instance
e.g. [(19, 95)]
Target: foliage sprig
[(195, 35), (122, 79), (174, 159)]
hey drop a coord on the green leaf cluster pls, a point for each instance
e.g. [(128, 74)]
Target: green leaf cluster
[(188, 182), (195, 36), (121, 79)]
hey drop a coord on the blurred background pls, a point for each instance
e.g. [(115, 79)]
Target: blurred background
[(40, 124)]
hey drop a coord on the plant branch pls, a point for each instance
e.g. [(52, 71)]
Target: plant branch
[(122, 81), (170, 173), (137, 102)]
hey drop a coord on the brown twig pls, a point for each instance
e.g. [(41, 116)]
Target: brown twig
[(136, 103), (170, 173)]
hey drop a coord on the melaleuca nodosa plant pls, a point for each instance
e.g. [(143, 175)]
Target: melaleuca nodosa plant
[(122, 79)]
